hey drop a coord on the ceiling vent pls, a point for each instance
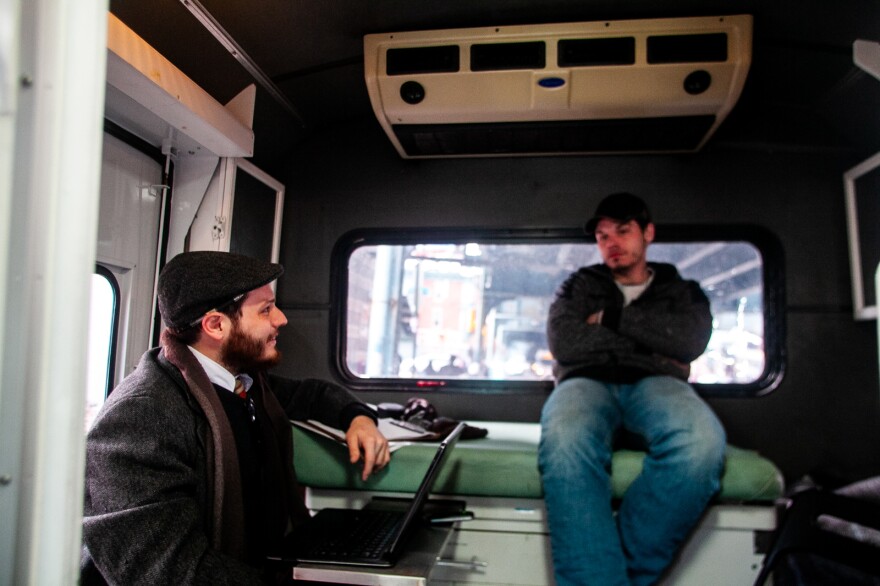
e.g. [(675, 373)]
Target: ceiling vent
[(629, 86)]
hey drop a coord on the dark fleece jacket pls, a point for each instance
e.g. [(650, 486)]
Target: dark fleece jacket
[(659, 333)]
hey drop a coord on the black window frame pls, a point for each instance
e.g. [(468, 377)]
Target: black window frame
[(767, 244), (114, 326)]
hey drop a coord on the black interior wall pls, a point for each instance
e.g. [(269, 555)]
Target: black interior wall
[(823, 416)]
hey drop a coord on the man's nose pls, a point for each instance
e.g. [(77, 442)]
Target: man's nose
[(279, 318)]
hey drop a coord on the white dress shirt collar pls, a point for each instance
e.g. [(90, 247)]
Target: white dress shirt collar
[(219, 375)]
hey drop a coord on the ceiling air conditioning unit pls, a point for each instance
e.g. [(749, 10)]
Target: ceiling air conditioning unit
[(628, 86)]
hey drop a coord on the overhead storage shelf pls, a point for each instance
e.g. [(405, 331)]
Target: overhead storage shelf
[(150, 97)]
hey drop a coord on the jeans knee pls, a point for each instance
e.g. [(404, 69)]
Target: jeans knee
[(705, 450), (570, 441), (567, 445), (677, 423), (712, 439)]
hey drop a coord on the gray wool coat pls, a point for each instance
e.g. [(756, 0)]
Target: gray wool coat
[(162, 491)]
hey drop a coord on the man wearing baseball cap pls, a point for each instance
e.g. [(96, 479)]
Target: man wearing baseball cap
[(189, 467), (623, 334)]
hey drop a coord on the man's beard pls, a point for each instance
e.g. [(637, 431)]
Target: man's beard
[(622, 270), (630, 262), (243, 353)]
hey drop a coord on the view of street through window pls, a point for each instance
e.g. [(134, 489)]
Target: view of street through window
[(477, 311)]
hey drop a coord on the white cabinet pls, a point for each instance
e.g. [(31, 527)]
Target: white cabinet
[(724, 548), (507, 543), (494, 557)]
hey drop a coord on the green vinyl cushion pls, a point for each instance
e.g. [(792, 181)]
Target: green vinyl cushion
[(504, 464)]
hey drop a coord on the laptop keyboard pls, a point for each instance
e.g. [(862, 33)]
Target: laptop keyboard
[(368, 540)]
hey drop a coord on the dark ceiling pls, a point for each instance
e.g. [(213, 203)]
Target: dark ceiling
[(803, 91)]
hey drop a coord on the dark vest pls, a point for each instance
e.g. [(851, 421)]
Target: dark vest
[(251, 451)]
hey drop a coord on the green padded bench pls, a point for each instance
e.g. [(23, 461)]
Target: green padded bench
[(508, 542), (504, 464)]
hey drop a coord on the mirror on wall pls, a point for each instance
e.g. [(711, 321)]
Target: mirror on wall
[(241, 212), (862, 192)]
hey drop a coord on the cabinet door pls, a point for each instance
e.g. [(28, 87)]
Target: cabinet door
[(488, 557)]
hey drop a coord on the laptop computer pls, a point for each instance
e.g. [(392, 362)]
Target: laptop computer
[(368, 536)]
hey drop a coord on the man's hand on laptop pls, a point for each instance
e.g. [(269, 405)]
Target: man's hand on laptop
[(364, 436)]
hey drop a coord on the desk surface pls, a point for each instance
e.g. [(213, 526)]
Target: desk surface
[(412, 569)]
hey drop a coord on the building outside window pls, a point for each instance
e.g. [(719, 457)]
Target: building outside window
[(473, 313)]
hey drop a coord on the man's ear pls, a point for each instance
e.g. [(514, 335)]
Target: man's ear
[(216, 326), (649, 233)]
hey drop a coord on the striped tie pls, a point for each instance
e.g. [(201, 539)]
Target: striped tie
[(239, 388)]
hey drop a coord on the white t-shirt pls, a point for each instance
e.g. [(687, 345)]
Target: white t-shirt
[(632, 292)]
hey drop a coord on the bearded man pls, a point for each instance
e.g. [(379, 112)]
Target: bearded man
[(189, 467)]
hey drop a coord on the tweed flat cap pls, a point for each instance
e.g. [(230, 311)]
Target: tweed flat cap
[(193, 283)]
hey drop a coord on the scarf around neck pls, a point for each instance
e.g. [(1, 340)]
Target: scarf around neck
[(226, 531)]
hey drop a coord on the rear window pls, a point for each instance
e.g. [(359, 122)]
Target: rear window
[(468, 310)]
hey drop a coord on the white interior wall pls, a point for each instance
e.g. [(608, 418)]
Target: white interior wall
[(55, 52), (128, 232)]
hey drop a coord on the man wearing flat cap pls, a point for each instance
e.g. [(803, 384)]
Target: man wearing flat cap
[(623, 334), (189, 468)]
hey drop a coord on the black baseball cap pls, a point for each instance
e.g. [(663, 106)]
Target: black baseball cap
[(194, 283), (621, 207)]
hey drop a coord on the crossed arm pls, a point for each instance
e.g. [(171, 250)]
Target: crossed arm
[(676, 327)]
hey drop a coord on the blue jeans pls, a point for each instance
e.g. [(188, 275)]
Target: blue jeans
[(686, 445)]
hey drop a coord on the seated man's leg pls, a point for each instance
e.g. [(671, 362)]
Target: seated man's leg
[(577, 426), (682, 471)]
